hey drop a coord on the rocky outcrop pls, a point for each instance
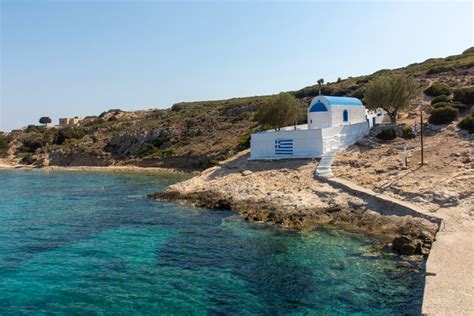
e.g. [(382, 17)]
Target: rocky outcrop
[(77, 159), (286, 193), (132, 144)]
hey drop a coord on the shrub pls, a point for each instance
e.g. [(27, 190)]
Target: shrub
[(312, 91), (467, 123), (408, 133), (343, 92), (441, 105), (470, 50), (30, 144), (439, 69), (444, 115), (244, 141), (437, 89), (387, 134), (440, 98), (4, 144), (459, 106), (464, 95), (148, 150), (68, 133), (363, 80), (28, 159), (359, 94), (34, 129), (112, 119), (177, 107)]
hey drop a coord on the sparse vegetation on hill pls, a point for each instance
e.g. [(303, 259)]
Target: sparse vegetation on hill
[(467, 123), (438, 89), (4, 142), (440, 99), (199, 134), (443, 115)]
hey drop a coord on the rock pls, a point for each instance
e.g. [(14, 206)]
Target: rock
[(399, 241), (246, 173), (444, 199), (408, 250)]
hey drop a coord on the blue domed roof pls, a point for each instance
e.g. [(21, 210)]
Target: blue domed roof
[(318, 107)]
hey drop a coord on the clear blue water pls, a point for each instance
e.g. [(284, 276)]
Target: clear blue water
[(90, 243)]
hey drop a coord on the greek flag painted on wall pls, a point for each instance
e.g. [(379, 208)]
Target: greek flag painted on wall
[(284, 146)]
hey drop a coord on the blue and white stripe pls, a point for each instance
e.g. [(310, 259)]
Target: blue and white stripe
[(284, 146)]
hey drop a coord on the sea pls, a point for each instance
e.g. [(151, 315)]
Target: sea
[(91, 243)]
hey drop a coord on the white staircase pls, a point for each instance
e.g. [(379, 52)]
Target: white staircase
[(324, 166)]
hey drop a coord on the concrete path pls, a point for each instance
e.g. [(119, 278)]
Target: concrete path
[(449, 287), (449, 281), (385, 204)]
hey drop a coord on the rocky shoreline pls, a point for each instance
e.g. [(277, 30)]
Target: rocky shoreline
[(286, 193)]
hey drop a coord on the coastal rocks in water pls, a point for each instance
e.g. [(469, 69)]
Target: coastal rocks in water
[(287, 194)]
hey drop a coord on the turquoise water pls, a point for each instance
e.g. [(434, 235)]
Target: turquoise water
[(90, 243)]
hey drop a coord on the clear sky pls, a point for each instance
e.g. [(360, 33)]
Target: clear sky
[(77, 58)]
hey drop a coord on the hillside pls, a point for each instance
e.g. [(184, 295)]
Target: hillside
[(194, 135)]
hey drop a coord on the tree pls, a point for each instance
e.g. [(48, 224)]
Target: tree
[(45, 120), (391, 93), (278, 111), (320, 83)]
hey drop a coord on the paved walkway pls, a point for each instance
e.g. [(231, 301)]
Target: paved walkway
[(449, 287)]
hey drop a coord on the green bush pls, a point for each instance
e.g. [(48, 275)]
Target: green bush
[(359, 94), (464, 95), (444, 115), (441, 105), (244, 141), (467, 123), (459, 106), (4, 144), (31, 144), (437, 89), (68, 133), (343, 92), (439, 69), (440, 98), (470, 50), (312, 91), (408, 133), (387, 134), (34, 129), (148, 150)]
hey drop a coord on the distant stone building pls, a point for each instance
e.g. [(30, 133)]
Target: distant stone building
[(69, 121)]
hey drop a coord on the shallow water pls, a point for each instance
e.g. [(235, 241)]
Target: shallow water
[(90, 243)]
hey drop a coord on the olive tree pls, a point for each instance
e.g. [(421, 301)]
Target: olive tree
[(279, 111), (391, 93)]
